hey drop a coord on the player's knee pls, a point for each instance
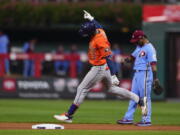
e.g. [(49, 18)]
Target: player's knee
[(79, 89), (82, 91)]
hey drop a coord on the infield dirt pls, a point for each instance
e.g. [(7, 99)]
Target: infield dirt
[(9, 126)]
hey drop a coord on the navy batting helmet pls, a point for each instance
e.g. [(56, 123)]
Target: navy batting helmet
[(87, 29)]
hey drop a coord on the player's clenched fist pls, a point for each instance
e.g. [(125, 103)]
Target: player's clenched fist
[(88, 16), (114, 80)]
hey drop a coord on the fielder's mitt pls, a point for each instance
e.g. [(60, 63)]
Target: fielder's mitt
[(157, 88)]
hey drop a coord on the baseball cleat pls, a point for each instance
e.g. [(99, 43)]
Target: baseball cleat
[(143, 124), (64, 117), (143, 104), (124, 122)]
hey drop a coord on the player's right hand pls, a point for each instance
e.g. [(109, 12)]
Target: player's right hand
[(127, 60), (114, 80), (88, 16)]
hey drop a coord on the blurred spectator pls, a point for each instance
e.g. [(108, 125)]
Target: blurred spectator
[(4, 48), (74, 57), (61, 66), (29, 64), (117, 52)]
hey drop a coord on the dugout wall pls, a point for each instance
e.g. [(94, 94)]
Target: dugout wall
[(173, 51), (158, 35)]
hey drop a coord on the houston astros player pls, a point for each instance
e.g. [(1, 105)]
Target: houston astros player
[(144, 58), (99, 55)]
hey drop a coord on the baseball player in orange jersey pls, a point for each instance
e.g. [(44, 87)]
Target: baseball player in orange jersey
[(102, 67)]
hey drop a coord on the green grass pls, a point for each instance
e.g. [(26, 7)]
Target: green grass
[(104, 111), (87, 132)]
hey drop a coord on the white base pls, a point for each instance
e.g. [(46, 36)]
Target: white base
[(47, 126)]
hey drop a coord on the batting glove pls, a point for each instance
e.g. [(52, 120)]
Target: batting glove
[(114, 80), (88, 16)]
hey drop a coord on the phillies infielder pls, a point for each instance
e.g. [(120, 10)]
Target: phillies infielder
[(144, 58), (99, 55)]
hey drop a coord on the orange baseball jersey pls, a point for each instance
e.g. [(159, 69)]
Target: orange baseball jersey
[(99, 48)]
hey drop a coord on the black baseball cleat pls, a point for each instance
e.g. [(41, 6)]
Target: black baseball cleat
[(143, 124), (124, 122)]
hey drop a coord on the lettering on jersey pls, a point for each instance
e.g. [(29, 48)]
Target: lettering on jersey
[(142, 53)]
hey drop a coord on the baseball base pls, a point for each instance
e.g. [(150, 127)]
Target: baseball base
[(47, 126)]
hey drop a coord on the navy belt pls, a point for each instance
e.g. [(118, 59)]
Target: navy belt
[(99, 65), (139, 70)]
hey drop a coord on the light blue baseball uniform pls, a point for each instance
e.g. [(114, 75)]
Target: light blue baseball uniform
[(143, 56)]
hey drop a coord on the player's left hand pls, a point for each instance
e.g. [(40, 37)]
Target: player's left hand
[(157, 88), (88, 16), (114, 80)]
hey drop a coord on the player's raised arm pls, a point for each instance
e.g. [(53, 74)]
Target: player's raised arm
[(89, 17)]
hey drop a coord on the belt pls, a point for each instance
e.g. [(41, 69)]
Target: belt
[(99, 65), (104, 66), (139, 70)]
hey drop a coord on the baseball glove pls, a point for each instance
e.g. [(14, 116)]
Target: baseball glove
[(157, 88)]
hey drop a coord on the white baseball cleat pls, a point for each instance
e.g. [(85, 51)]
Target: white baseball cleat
[(144, 107), (63, 117)]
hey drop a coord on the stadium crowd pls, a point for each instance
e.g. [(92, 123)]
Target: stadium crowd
[(67, 62)]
